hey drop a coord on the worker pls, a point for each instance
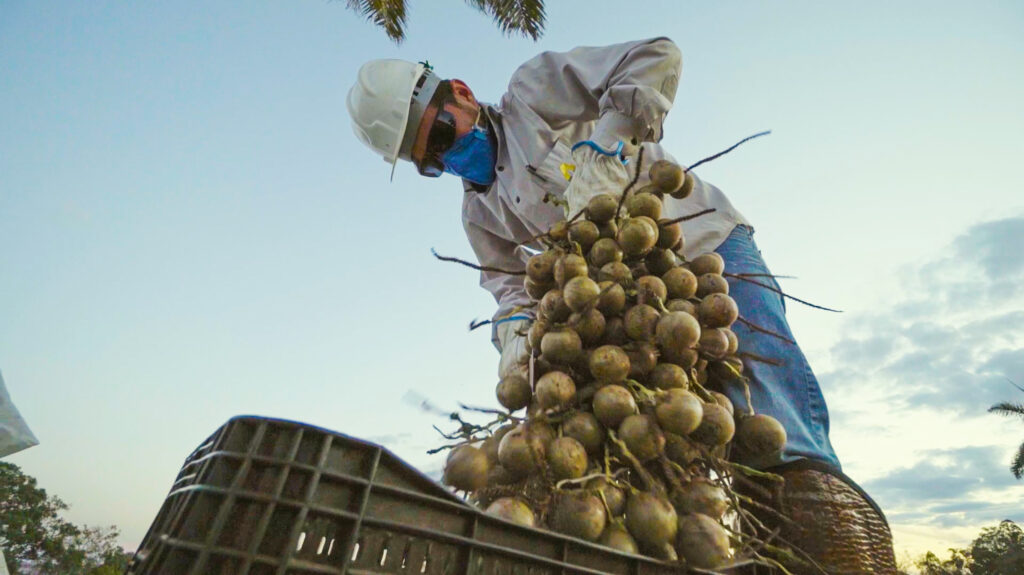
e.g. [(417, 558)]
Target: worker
[(593, 109)]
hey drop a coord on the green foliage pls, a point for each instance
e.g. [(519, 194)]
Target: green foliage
[(997, 550), (34, 532), (524, 17), (1010, 410)]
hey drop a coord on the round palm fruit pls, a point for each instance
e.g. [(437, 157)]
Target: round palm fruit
[(701, 496), (513, 391), (702, 542), (490, 445), (684, 358), (734, 344), (675, 330), (617, 272), (569, 266), (512, 509), (724, 401), (642, 436), (642, 321), (589, 325), (709, 263), (559, 231), (713, 342), (609, 364), (649, 289), (680, 283), (617, 537), (612, 404), (612, 299), (679, 411), (554, 389), (601, 208), (584, 427), (608, 229), (670, 235), (660, 261), (613, 496), (716, 426), (534, 289), (668, 376), (499, 475), (684, 305), (541, 267), (643, 358), (664, 552), (636, 237), (651, 520), (520, 452), (604, 251), (711, 283), (541, 430), (725, 370), (561, 345), (680, 449), (535, 336), (644, 204), (466, 468), (615, 332), (666, 175), (567, 458), (718, 310), (580, 293), (579, 514), (760, 435), (584, 233), (688, 182), (552, 306)]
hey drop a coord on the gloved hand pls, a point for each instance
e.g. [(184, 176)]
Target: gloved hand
[(514, 352), (598, 171)]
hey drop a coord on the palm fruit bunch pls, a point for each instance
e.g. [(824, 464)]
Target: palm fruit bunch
[(615, 431)]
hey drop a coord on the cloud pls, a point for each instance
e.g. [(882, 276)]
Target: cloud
[(910, 383), (948, 487), (952, 343)]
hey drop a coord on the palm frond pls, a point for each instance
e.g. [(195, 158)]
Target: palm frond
[(388, 14), (524, 17), (1017, 466), (1008, 409)]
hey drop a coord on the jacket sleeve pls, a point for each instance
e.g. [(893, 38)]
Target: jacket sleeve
[(627, 88), (494, 251)]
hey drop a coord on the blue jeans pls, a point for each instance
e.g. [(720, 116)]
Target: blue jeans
[(788, 392)]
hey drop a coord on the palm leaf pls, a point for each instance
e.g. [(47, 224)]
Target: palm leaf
[(388, 14), (525, 17), (1008, 409), (1017, 466)]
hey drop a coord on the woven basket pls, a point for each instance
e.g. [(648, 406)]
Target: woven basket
[(833, 523)]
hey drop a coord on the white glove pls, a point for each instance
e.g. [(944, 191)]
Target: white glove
[(598, 172), (514, 352)]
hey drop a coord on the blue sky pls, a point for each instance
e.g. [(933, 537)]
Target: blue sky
[(189, 230)]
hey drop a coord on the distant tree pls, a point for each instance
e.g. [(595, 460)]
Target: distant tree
[(34, 533), (524, 17), (1013, 410), (957, 564), (998, 550)]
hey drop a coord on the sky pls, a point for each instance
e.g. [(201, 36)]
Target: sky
[(189, 230)]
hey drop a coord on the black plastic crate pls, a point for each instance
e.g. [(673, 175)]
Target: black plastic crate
[(273, 497)]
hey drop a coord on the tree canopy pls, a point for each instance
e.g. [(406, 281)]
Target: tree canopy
[(33, 533), (525, 17)]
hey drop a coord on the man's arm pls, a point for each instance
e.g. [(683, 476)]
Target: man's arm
[(627, 88), (497, 252)]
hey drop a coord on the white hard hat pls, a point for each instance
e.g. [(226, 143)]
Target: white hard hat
[(388, 98)]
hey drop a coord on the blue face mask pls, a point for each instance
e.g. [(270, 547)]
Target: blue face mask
[(472, 157)]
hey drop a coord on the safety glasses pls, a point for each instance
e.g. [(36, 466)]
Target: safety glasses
[(439, 140)]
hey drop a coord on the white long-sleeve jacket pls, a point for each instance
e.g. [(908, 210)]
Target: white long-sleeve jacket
[(605, 94)]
